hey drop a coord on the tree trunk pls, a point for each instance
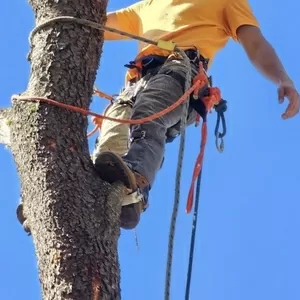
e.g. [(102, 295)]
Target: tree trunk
[(72, 215)]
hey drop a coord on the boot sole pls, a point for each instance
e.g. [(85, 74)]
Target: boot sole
[(112, 168)]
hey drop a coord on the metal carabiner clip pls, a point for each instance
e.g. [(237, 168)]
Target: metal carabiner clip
[(219, 142)]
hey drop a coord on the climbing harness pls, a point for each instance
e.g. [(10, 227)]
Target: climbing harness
[(199, 94)]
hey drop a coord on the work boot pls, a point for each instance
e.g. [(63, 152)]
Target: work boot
[(112, 168)]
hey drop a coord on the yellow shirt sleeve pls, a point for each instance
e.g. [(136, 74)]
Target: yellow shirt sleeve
[(128, 18), (238, 13)]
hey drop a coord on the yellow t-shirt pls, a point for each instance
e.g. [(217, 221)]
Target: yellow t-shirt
[(204, 24)]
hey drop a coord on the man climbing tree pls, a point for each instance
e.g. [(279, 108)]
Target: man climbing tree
[(157, 79), (72, 215), (202, 27)]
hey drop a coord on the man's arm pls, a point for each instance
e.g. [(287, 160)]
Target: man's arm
[(126, 19), (113, 22), (264, 57), (261, 53)]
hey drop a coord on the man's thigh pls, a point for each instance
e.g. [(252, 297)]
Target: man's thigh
[(114, 136), (161, 91)]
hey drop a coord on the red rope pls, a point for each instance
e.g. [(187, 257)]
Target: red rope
[(197, 168), (87, 112), (198, 83)]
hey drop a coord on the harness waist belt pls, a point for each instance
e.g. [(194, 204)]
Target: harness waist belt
[(153, 61)]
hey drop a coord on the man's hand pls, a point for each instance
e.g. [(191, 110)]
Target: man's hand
[(264, 57), (288, 90)]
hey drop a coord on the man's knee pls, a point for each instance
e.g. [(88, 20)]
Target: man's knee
[(114, 136)]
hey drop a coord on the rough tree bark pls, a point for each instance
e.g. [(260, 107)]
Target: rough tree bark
[(72, 215)]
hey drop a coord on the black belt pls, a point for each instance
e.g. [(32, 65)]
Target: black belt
[(154, 61)]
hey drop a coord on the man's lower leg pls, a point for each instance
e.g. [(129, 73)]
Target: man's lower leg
[(112, 168), (138, 168)]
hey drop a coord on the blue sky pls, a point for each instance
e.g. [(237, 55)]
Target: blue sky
[(248, 232)]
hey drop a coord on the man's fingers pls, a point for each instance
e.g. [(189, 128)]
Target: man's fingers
[(281, 94), (288, 112), (293, 107)]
